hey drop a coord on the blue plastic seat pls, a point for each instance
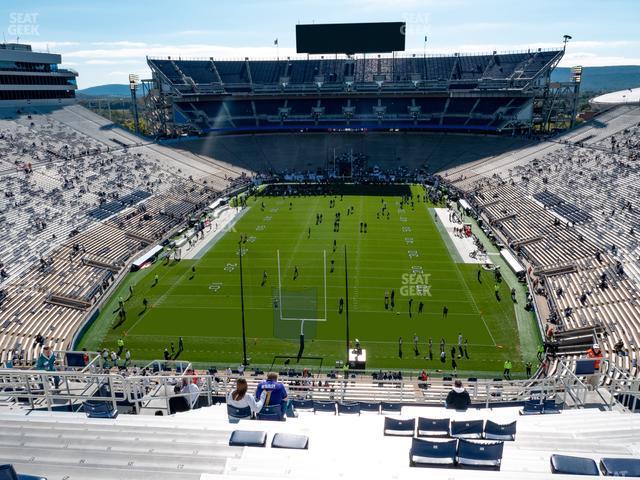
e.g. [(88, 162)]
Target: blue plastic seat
[(550, 406), (568, 465), (620, 467), (495, 431), (99, 409), (247, 438), (306, 404), (7, 472), (531, 407), (479, 454), (319, 406), (271, 412), (287, 440), (397, 427), (429, 452), (348, 409), (390, 407), (467, 428), (238, 413), (433, 427), (369, 407)]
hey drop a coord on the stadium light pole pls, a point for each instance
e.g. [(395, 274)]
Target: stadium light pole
[(244, 336), (346, 298)]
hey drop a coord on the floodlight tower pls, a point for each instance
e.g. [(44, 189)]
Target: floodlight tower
[(133, 84)]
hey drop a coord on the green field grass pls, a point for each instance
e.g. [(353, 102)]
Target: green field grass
[(204, 307)]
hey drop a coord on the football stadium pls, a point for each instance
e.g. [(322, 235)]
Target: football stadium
[(340, 258)]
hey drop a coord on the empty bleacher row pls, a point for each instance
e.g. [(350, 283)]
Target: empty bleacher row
[(232, 113), (571, 215)]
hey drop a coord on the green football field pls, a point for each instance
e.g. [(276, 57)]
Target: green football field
[(403, 251)]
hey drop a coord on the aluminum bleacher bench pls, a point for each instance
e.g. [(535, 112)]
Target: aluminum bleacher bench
[(479, 454), (568, 465), (247, 438), (430, 452), (399, 427), (287, 440), (495, 431), (433, 427), (620, 467)]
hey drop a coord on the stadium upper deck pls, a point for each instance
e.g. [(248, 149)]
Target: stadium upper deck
[(459, 92)]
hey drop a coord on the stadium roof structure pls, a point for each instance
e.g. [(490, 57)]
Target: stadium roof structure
[(612, 99)]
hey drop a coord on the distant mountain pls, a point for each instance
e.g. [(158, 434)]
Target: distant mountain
[(603, 79), (111, 90)]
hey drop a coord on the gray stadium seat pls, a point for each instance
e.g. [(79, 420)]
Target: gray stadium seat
[(287, 440), (247, 438), (569, 465)]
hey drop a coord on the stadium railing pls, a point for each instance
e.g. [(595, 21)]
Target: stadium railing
[(36, 389)]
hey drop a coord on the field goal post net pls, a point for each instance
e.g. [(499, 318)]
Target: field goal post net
[(299, 309)]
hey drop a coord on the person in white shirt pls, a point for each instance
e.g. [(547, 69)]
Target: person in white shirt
[(239, 397)]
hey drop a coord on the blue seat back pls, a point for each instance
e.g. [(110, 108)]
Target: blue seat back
[(532, 407), (271, 412), (391, 407), (433, 426), (480, 454), (569, 465), (620, 467), (395, 426), (467, 428), (99, 409), (7, 472), (432, 452), (324, 407), (369, 407), (550, 406), (235, 412), (348, 408), (306, 404), (496, 431)]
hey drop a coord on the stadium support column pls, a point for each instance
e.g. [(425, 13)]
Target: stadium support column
[(244, 336), (346, 299), (133, 84)]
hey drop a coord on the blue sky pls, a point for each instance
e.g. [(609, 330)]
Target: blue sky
[(106, 40)]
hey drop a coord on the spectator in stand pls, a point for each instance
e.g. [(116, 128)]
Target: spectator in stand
[(192, 390), (458, 398), (47, 362), (239, 397), (276, 394), (595, 353)]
